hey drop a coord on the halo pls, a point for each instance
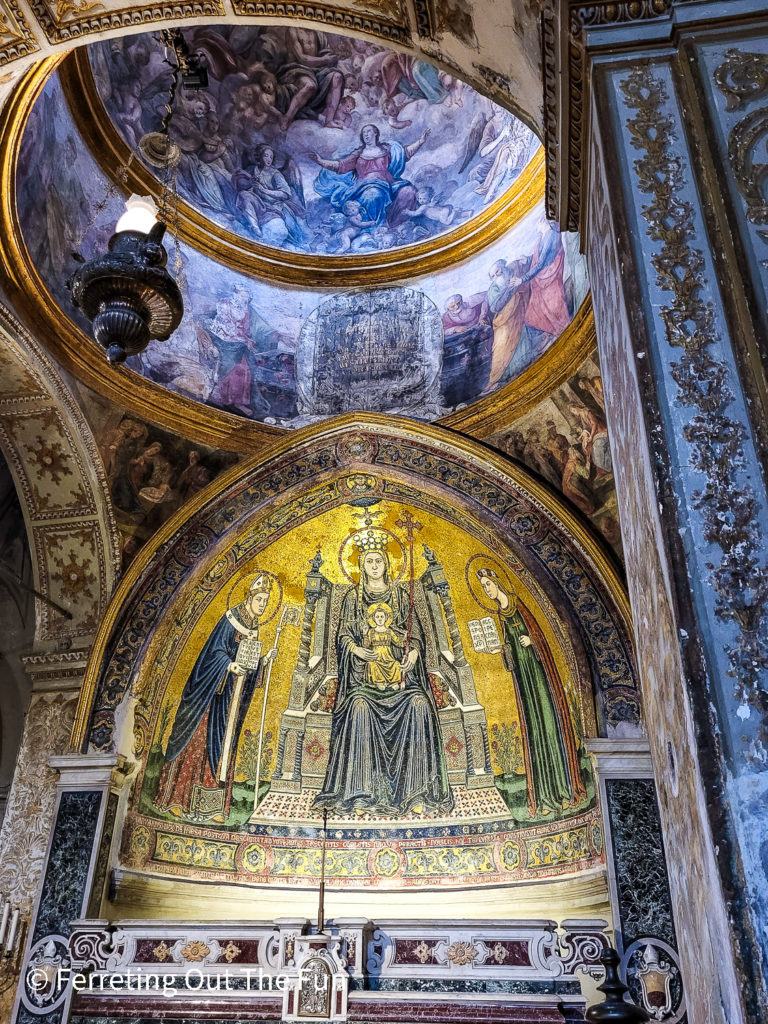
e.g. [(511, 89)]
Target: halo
[(348, 540), (471, 578), (251, 575)]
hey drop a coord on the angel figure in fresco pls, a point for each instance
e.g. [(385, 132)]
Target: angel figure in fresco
[(200, 756), (352, 226), (253, 105), (386, 753), (206, 161), (550, 749), (372, 175), (270, 197), (499, 144)]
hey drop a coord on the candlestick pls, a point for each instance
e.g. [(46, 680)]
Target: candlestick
[(12, 932), (4, 920)]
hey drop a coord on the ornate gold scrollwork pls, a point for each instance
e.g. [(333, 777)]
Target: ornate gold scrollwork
[(740, 78)]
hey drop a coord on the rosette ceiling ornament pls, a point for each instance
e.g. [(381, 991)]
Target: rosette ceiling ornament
[(127, 293)]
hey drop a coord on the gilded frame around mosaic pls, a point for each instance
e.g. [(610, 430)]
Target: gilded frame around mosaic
[(159, 846)]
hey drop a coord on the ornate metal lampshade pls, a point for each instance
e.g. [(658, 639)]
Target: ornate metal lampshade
[(127, 293)]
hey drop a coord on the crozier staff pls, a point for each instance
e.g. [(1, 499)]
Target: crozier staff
[(202, 747)]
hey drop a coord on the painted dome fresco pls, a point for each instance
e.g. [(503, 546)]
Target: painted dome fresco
[(355, 229), (318, 143)]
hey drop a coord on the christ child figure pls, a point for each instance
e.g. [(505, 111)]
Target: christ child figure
[(385, 672)]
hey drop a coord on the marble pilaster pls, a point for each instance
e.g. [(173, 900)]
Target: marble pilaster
[(677, 279)]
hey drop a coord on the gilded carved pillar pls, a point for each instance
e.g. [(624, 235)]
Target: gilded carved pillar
[(667, 122)]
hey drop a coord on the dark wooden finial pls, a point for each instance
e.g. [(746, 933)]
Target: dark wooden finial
[(614, 1007)]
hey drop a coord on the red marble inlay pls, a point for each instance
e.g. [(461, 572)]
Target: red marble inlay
[(262, 1007), (249, 951), (145, 951), (457, 1012), (254, 1006), (507, 953), (415, 951)]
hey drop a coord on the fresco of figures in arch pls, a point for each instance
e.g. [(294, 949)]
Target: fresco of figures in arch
[(359, 685), (565, 441), (150, 472), (317, 142)]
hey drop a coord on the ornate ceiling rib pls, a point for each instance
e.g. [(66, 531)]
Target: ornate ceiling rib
[(61, 484)]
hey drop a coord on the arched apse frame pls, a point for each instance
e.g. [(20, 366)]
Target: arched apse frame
[(526, 517)]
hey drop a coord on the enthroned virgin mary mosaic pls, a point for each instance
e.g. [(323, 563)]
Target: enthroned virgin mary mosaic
[(346, 669)]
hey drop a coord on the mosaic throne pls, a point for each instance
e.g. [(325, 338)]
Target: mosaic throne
[(305, 726)]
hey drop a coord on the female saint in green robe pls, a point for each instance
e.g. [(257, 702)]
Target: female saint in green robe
[(549, 743)]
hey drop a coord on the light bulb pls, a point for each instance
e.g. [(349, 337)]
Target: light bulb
[(140, 215)]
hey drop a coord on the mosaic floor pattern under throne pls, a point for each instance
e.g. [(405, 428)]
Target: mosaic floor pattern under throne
[(480, 803)]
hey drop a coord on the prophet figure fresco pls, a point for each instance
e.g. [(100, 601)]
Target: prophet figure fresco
[(199, 765), (243, 350), (386, 753), (549, 744)]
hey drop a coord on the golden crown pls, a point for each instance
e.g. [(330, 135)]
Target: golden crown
[(371, 540)]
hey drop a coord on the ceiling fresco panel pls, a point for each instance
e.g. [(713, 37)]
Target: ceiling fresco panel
[(315, 142), (236, 349)]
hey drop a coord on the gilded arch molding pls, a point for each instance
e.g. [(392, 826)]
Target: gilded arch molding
[(62, 488)]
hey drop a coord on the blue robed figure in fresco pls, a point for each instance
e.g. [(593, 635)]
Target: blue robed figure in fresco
[(386, 752), (202, 748), (371, 175)]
